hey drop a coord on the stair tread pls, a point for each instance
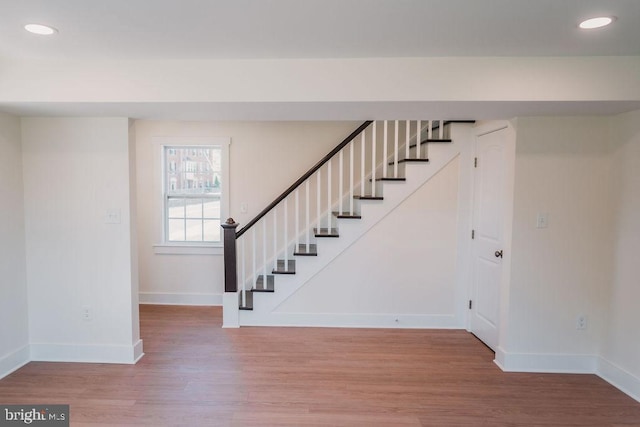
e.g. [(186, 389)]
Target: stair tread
[(390, 178), (400, 161), (433, 140), (259, 286), (303, 250), (280, 267), (324, 232), (426, 141), (248, 299), (410, 160), (346, 215), (368, 197)]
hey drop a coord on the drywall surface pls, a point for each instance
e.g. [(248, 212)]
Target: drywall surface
[(560, 272), (405, 265), (14, 326), (621, 346), (78, 239)]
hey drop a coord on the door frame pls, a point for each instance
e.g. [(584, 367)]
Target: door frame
[(481, 129)]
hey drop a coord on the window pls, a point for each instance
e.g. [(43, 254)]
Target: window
[(192, 210)]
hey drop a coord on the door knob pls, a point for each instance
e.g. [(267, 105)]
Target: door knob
[(498, 254)]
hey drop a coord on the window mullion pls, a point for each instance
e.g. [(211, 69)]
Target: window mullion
[(166, 216), (184, 219)]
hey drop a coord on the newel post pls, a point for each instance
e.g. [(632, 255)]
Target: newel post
[(230, 316), (229, 242)]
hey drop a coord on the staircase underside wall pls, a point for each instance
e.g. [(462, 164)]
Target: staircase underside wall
[(402, 272)]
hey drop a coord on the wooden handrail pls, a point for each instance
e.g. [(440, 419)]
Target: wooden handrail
[(304, 177)]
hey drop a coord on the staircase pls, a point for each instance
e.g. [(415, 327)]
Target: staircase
[(325, 211)]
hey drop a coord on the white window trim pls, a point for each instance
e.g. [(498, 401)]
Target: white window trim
[(187, 249), (164, 247)]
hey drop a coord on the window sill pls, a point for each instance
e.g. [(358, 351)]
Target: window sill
[(167, 249)]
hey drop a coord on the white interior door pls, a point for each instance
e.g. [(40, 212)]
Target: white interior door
[(488, 234)]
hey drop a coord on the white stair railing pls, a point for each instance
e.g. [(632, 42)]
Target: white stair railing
[(266, 250)]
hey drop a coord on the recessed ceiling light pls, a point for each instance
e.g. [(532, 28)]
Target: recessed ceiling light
[(600, 21), (43, 30)]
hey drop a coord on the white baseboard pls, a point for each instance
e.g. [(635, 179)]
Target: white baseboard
[(619, 378), (350, 320), (137, 351), (570, 364), (15, 360), (125, 354), (551, 363), (168, 298), (230, 312)]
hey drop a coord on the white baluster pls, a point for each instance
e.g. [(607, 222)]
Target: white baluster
[(441, 130), (286, 237), (385, 160), (429, 129), (407, 143), (264, 252), (351, 178), (297, 240), (254, 271), (308, 222), (242, 274), (362, 162), (395, 154), (329, 195), (275, 238), (373, 161), (341, 166), (425, 149), (318, 201), (419, 139)]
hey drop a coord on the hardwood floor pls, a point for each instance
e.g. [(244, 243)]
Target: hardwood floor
[(196, 374)]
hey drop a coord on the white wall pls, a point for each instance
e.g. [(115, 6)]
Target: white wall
[(403, 267), (621, 347), (76, 169), (14, 330), (133, 226), (265, 159), (319, 81), (560, 272)]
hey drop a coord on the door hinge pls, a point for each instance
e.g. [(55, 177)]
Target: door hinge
[(470, 304), (473, 234), (475, 162)]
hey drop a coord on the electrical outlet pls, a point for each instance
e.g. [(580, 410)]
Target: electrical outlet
[(581, 322), (542, 220), (87, 313), (244, 208), (112, 216)]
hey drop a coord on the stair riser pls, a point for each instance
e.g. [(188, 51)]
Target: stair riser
[(383, 186)]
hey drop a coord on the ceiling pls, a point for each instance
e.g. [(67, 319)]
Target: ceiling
[(216, 29), (127, 30)]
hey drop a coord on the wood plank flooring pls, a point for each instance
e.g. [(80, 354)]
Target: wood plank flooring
[(196, 374)]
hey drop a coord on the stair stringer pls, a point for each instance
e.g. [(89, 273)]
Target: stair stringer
[(350, 231)]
